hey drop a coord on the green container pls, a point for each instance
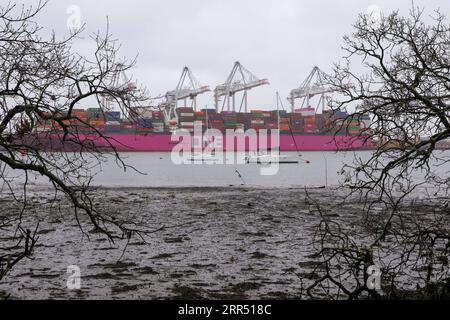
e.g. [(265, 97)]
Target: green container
[(94, 112)]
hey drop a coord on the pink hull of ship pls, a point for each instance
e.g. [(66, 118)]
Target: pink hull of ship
[(162, 143)]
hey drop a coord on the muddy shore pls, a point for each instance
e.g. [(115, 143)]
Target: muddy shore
[(214, 243)]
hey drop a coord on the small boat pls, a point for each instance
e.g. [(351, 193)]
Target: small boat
[(204, 158), (270, 158)]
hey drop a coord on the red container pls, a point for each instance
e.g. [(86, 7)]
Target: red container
[(185, 109), (186, 119), (295, 115)]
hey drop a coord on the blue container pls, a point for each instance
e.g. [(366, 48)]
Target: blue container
[(209, 110), (340, 115), (112, 116), (145, 123)]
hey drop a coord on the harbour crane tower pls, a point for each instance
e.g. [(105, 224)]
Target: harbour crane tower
[(311, 87), (239, 80), (121, 83), (188, 88)]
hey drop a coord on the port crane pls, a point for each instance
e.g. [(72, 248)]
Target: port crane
[(240, 79), (188, 88), (120, 82), (312, 86)]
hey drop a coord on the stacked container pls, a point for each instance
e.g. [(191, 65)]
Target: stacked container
[(80, 114), (215, 121), (297, 123), (354, 127), (258, 120), (230, 120), (309, 119), (205, 116), (95, 114), (141, 112), (271, 120), (96, 118), (285, 125), (365, 124), (186, 118), (112, 123), (339, 118), (44, 125), (158, 121), (143, 119), (281, 120), (321, 123), (200, 116), (306, 112), (128, 127), (112, 116), (145, 124), (309, 125), (243, 121)]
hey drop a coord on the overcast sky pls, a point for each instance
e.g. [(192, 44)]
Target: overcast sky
[(276, 39)]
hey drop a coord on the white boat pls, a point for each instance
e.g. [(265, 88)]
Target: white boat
[(204, 158), (264, 158)]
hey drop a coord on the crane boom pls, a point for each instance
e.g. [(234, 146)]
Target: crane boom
[(119, 82), (192, 90), (314, 85), (240, 79), (188, 87)]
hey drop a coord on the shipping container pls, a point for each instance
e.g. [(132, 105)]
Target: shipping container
[(186, 115), (96, 123), (208, 111), (112, 116), (185, 110), (306, 112), (79, 113), (144, 123), (340, 114), (128, 125), (141, 112), (95, 114)]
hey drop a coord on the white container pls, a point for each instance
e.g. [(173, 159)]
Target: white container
[(112, 123), (257, 121), (141, 112)]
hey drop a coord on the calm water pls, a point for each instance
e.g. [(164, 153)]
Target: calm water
[(312, 169), (158, 170)]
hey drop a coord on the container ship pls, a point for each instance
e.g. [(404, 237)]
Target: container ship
[(152, 128), (147, 130)]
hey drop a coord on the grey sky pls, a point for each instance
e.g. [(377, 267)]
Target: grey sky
[(276, 39)]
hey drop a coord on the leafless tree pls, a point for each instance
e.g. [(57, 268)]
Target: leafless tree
[(42, 80), (403, 185)]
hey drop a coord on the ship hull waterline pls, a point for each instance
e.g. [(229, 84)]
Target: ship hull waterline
[(154, 142)]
